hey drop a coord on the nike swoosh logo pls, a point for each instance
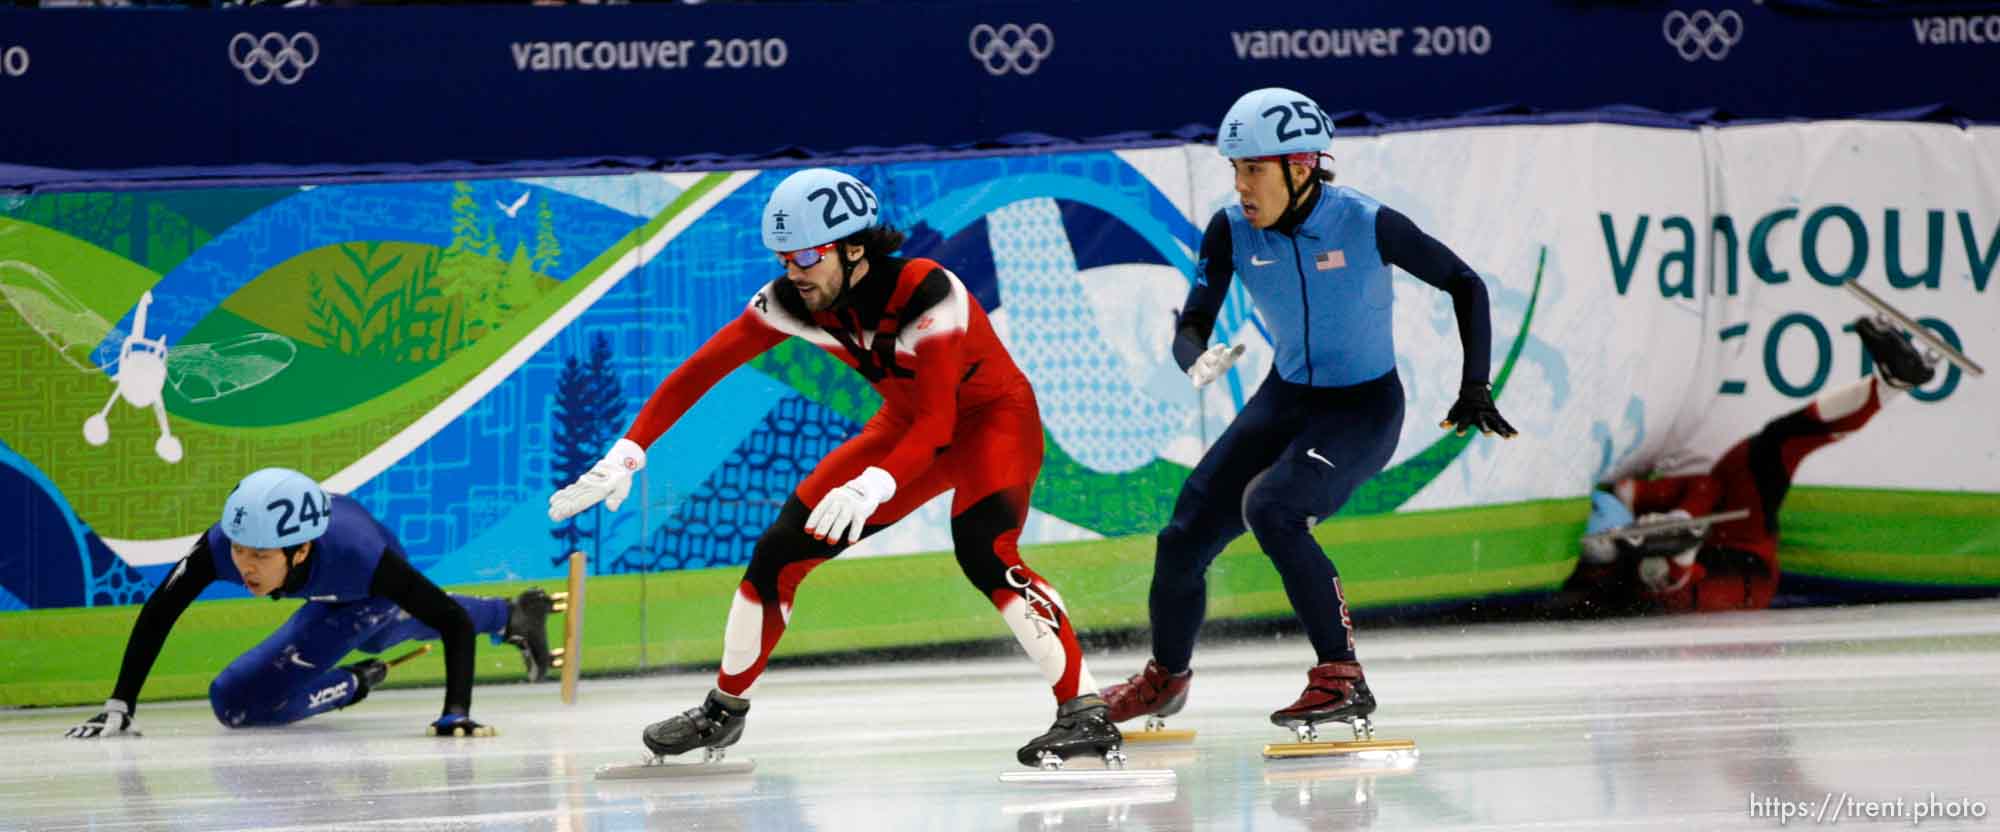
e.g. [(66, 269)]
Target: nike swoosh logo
[(1256, 261), (301, 662), (1314, 453)]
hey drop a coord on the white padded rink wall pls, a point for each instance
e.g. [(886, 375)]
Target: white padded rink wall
[(1643, 349)]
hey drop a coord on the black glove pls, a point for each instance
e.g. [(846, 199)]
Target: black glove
[(114, 721), (1474, 409)]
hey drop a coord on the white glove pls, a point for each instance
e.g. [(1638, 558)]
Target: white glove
[(609, 481), (844, 510), (1212, 364), (114, 721)]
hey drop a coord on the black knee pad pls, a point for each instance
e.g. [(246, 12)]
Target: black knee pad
[(975, 532), (1767, 462), (784, 543)]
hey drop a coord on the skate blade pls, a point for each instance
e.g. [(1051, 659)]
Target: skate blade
[(1636, 532), (1106, 778), (1159, 736), (1371, 751), (671, 771), (1918, 331), (1365, 766)]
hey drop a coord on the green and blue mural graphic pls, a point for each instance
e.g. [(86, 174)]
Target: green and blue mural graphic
[(178, 340), (449, 353)]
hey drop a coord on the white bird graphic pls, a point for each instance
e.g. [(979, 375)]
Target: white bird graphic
[(515, 208)]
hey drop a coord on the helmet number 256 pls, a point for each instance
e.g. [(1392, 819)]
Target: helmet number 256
[(1315, 121)]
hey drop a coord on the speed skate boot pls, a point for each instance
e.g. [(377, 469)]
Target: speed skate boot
[(715, 724), (528, 629), (1896, 359), (1082, 725), (1152, 692), (1335, 691)]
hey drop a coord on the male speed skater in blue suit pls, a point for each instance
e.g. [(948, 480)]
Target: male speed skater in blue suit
[(1316, 260), (282, 536)]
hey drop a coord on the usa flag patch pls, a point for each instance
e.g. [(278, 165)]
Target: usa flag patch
[(1330, 260)]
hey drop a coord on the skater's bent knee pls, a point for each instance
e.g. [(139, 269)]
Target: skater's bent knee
[(230, 699), (1178, 541), (1268, 517), (1172, 553)]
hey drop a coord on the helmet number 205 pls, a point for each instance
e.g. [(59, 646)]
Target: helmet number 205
[(1315, 121), (851, 196), (308, 511)]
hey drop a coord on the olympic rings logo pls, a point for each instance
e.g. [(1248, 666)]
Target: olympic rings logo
[(1703, 33), (1012, 48), (14, 61), (273, 57)]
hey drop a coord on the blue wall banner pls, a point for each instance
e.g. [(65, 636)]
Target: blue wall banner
[(449, 353), (138, 95)]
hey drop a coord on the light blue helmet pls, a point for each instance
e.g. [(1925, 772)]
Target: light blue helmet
[(1607, 512), (817, 206), (274, 508), (1273, 121)]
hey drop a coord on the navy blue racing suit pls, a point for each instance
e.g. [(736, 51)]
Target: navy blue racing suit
[(1326, 418), (361, 593)]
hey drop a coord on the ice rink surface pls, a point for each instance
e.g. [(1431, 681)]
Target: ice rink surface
[(1713, 722)]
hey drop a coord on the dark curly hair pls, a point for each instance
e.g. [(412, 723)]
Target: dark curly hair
[(876, 241)]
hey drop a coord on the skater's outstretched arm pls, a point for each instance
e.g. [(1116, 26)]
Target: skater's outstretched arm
[(737, 342), (149, 633), (398, 581), (1405, 246)]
